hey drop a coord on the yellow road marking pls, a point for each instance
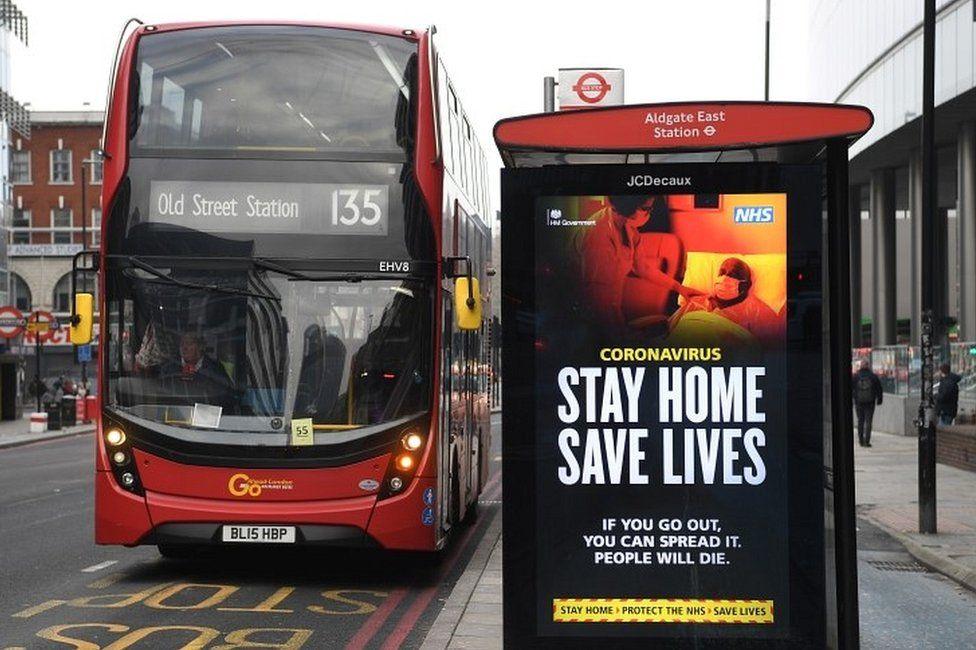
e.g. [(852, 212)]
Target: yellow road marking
[(107, 581), (37, 609), (266, 605)]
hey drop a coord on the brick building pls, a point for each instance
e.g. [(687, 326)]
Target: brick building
[(48, 218), (49, 223)]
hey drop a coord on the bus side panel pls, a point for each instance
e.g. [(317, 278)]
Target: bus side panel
[(430, 174), (120, 517), (407, 522)]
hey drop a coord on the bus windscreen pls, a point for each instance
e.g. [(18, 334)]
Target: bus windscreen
[(188, 352)]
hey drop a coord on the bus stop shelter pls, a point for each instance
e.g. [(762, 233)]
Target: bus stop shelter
[(678, 447)]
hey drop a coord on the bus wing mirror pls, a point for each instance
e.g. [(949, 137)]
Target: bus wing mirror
[(467, 303), (82, 319)]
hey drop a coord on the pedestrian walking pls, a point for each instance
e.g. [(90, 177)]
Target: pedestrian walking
[(947, 398), (867, 394)]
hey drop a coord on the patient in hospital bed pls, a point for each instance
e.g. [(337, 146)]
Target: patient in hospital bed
[(731, 311)]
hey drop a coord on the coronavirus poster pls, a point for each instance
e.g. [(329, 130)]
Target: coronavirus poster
[(668, 311)]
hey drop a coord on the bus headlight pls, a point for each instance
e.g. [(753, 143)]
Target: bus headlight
[(413, 441), (121, 458), (115, 437)]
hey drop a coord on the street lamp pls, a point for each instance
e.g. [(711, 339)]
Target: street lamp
[(84, 195)]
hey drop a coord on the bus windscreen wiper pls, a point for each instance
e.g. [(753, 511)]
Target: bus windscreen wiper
[(267, 265), (335, 276), (152, 270)]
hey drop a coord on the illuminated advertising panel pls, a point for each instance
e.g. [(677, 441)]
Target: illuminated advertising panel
[(663, 405)]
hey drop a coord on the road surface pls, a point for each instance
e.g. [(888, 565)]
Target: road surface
[(60, 590)]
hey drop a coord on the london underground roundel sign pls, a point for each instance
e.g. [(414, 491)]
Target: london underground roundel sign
[(591, 87), (42, 324), (11, 322)]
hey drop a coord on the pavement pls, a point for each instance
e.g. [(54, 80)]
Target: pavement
[(14, 433), (903, 604), (472, 615), (887, 495)]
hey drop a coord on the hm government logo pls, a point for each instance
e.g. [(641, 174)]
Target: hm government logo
[(753, 214), (554, 217), (241, 485)]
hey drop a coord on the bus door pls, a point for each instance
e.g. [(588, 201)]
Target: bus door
[(446, 446), (455, 413), (472, 355)]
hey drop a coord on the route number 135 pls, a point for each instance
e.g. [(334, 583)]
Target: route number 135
[(357, 206)]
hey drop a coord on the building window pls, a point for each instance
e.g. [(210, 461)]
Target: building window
[(61, 226), (96, 226), (20, 229), (61, 218), (22, 218), (96, 167), (20, 167), (61, 166), (61, 298), (20, 293)]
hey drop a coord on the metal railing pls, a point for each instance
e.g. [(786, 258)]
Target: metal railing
[(899, 366)]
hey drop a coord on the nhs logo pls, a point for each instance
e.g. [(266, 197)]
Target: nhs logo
[(753, 214)]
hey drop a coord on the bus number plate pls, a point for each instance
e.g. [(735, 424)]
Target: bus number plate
[(259, 534)]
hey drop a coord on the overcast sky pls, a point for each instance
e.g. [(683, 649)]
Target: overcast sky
[(497, 52)]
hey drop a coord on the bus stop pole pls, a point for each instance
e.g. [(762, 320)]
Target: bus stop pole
[(766, 95), (37, 366), (927, 522), (842, 421), (549, 94)]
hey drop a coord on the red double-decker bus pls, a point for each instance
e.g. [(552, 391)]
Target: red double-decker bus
[(292, 347)]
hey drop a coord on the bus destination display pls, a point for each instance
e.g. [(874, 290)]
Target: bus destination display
[(311, 208)]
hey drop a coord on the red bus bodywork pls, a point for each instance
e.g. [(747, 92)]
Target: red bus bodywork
[(183, 494)]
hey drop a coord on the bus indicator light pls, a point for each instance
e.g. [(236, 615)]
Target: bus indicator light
[(396, 483), (404, 462)]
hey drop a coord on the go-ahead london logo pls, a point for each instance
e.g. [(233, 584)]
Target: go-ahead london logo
[(242, 485)]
